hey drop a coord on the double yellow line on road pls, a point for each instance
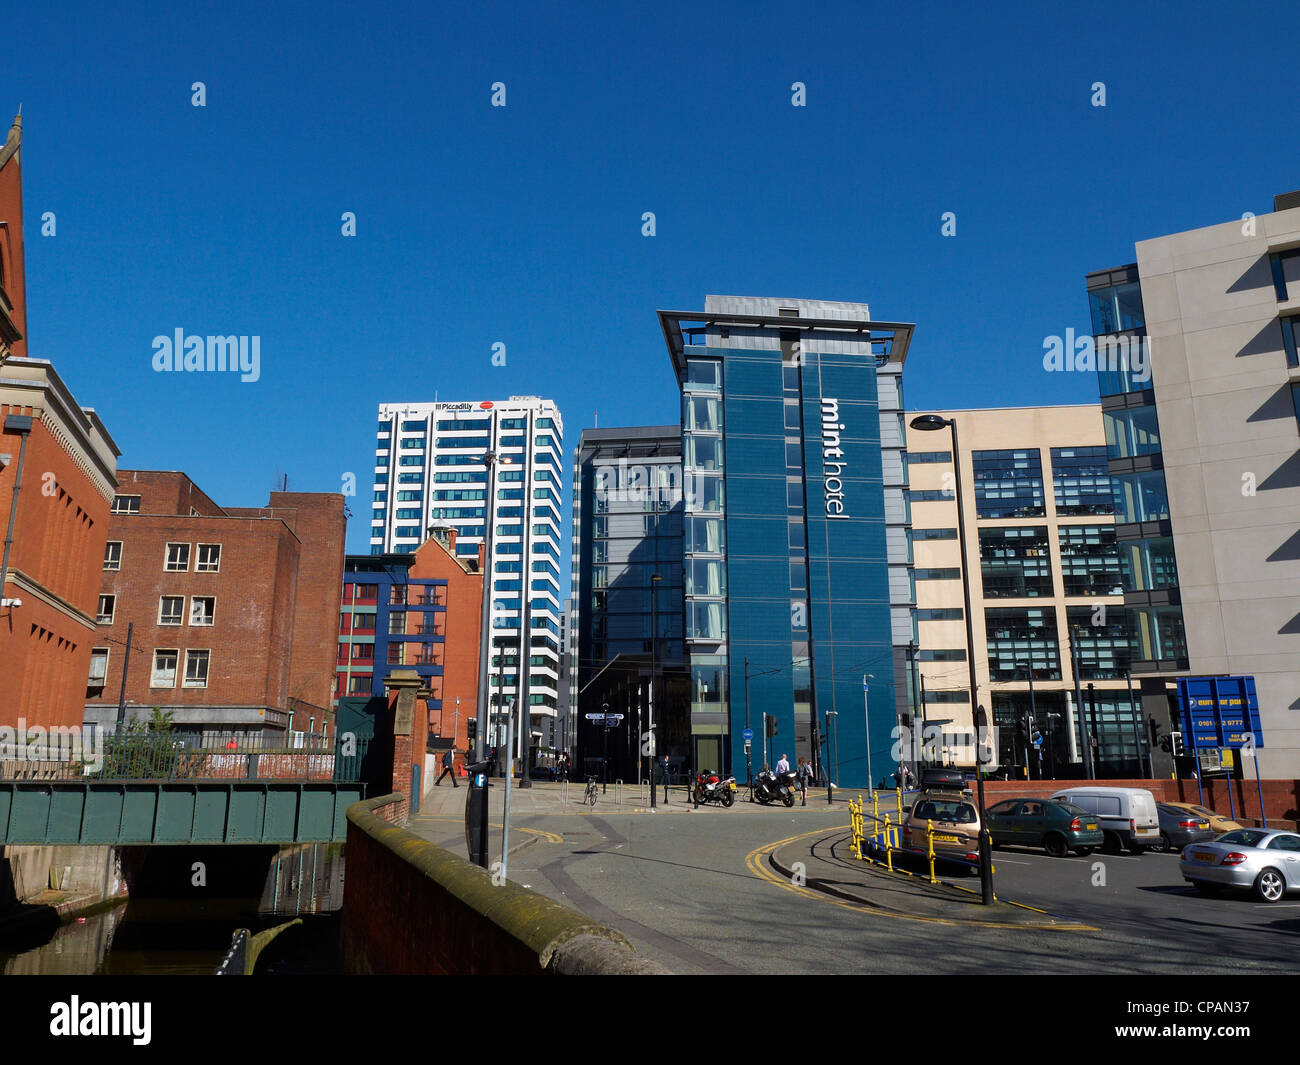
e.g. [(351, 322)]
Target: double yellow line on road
[(756, 861)]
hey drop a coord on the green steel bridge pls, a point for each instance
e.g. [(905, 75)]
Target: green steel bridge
[(150, 789)]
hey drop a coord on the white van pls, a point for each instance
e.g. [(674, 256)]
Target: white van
[(1128, 815)]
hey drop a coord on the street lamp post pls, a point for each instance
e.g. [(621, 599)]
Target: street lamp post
[(604, 759), (932, 423), (485, 620), (655, 578), (866, 725)]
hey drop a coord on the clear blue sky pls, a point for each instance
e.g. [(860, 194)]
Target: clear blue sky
[(522, 224)]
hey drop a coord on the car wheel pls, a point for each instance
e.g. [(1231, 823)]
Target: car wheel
[(1163, 846), (1055, 846), (1270, 886), (1205, 889), (1083, 852)]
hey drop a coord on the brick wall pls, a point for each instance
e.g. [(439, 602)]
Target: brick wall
[(58, 546)]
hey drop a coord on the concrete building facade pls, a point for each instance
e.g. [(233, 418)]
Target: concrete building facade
[(1044, 586), (1204, 430)]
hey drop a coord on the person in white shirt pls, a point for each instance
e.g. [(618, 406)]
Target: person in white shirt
[(783, 766)]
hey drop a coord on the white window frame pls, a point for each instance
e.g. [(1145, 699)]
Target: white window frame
[(191, 655), (210, 617), (93, 681), (179, 615), (154, 682), (117, 562), (167, 559), (200, 566), (111, 614), (117, 510)]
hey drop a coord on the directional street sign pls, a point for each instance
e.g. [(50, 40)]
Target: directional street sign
[(594, 717), (612, 720)]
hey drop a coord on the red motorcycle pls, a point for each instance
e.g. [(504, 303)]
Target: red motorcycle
[(712, 787)]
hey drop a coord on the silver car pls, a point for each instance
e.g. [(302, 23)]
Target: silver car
[(1263, 860)]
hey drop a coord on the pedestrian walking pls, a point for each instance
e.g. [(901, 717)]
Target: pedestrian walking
[(665, 773), (448, 767), (783, 766), (803, 777)]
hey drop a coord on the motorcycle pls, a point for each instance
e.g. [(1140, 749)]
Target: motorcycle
[(769, 787), (711, 787)]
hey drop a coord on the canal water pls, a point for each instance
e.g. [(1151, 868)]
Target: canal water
[(164, 932)]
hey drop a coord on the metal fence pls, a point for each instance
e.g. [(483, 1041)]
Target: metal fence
[(134, 755)]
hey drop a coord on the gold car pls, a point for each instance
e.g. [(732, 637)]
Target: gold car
[(1218, 823), (955, 822)]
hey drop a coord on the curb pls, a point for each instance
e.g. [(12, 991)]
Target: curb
[(1053, 922)]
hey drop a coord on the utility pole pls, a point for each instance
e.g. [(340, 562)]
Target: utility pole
[(1078, 702), (126, 662)]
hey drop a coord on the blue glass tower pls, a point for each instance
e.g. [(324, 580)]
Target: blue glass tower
[(796, 566)]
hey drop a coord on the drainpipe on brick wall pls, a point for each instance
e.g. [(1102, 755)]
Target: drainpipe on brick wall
[(21, 424)]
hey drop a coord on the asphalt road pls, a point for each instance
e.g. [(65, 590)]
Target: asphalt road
[(688, 891)]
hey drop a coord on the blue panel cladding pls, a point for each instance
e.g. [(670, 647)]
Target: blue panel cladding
[(848, 567), (758, 600)]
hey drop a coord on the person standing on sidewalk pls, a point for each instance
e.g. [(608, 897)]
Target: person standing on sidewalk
[(664, 770), (803, 777), (448, 767)]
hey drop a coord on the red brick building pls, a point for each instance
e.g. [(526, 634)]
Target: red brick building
[(416, 612), (57, 479), (232, 610)]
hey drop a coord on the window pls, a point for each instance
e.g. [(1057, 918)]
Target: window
[(938, 574), (126, 504), (170, 609), (1117, 309), (397, 623), (107, 607), (917, 458), (1020, 639), (113, 555), (98, 667), (1090, 562), (203, 609), (196, 669), (934, 534), (164, 669), (940, 613), (1080, 480), (178, 558), (954, 655), (1015, 562), (209, 560), (1008, 484)]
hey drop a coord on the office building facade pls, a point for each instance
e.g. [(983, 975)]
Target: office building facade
[(1045, 590), (1199, 376), (627, 518), (796, 590), (429, 470)]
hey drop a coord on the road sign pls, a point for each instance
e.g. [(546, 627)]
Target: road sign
[(612, 720), (748, 734), (594, 717), (1219, 712)]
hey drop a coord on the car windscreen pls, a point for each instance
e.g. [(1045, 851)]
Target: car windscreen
[(957, 812), (1074, 811), (1245, 837)]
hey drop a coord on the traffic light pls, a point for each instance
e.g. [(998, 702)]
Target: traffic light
[(770, 724), (471, 733), (1153, 726), (1176, 744)]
